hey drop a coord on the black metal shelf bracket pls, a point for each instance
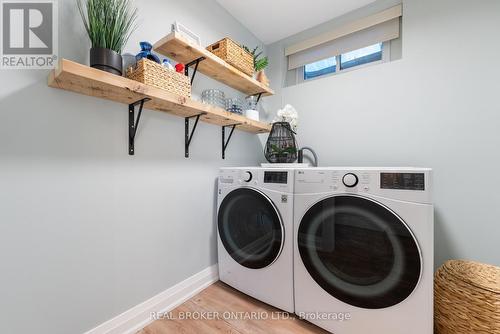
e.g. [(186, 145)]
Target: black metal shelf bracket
[(258, 96), (188, 137), (133, 123), (224, 142), (195, 62)]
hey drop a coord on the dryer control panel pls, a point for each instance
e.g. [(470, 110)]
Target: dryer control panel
[(409, 184)]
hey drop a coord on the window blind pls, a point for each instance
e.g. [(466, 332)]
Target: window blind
[(380, 27)]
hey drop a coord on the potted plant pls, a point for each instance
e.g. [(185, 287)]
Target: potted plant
[(109, 24), (281, 145), (259, 63)]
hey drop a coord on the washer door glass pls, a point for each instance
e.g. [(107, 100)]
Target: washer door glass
[(359, 251), (250, 228)]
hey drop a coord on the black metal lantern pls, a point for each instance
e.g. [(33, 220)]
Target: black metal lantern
[(281, 146)]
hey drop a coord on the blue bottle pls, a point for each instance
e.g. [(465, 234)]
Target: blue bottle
[(146, 52)]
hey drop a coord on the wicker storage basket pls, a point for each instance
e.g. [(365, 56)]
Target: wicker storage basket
[(150, 73), (467, 298), (232, 53)]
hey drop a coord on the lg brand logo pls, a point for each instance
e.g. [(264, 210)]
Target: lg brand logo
[(29, 34)]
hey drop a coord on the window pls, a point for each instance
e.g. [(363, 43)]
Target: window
[(367, 40), (361, 56), (344, 61), (319, 68)]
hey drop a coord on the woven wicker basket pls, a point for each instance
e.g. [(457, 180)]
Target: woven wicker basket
[(467, 298), (150, 73), (232, 53)]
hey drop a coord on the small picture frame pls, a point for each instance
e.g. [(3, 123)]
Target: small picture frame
[(183, 30)]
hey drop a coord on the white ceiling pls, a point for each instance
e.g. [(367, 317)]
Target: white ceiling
[(272, 20)]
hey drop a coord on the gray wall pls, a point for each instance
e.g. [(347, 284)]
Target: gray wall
[(438, 107), (86, 231)]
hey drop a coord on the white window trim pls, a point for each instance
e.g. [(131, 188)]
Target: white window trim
[(386, 57)]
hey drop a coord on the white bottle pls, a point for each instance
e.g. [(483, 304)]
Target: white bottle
[(168, 65)]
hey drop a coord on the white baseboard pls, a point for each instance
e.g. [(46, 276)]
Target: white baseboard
[(139, 316)]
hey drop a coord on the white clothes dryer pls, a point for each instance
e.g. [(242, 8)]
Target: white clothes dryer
[(363, 253)]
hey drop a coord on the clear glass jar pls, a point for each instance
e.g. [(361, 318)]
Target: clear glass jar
[(234, 105), (214, 97)]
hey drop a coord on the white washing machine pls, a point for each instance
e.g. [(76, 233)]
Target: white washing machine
[(363, 256), (255, 230)]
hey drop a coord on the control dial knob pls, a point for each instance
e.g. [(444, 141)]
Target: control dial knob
[(350, 180), (247, 176)]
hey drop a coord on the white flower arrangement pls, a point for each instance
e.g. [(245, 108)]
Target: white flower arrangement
[(288, 114)]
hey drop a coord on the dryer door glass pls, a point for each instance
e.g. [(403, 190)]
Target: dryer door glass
[(250, 228), (359, 251)]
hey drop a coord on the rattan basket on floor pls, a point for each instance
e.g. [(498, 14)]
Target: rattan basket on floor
[(150, 73), (467, 298), (232, 53)]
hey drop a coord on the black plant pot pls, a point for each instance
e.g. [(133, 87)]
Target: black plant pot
[(281, 146), (106, 60)]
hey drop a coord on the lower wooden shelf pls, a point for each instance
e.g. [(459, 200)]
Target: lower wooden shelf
[(89, 81)]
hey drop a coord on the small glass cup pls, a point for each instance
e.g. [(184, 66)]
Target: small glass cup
[(252, 102)]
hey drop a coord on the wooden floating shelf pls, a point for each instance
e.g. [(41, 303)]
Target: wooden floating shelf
[(89, 81), (184, 51)]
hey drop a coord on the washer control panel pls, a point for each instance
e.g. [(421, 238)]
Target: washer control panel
[(272, 179), (275, 177)]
